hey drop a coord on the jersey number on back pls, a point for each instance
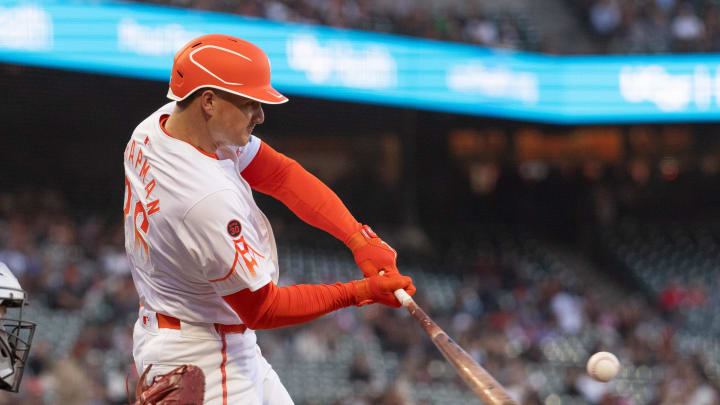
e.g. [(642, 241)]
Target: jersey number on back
[(135, 231)]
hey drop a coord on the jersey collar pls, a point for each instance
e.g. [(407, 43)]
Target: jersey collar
[(163, 119)]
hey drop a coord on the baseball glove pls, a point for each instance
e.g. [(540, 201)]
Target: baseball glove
[(184, 385)]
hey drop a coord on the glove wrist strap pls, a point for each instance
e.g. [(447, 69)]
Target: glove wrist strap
[(360, 238), (363, 295)]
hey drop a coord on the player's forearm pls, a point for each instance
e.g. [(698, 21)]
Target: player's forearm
[(309, 198), (274, 307)]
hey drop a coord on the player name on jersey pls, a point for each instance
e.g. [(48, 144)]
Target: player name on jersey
[(134, 156)]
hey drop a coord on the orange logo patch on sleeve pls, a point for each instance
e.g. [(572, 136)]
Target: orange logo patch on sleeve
[(246, 253)]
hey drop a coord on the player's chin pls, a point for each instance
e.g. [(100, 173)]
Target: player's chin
[(243, 139), (239, 136)]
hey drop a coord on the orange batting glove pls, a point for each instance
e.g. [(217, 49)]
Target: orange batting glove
[(371, 253), (380, 289)]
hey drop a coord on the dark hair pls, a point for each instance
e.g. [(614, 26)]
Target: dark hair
[(189, 99)]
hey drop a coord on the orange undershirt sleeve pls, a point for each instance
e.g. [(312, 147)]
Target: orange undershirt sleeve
[(275, 174), (273, 307)]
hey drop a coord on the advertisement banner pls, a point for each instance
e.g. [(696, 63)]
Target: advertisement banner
[(139, 40)]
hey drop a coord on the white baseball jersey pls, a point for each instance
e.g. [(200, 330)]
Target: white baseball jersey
[(193, 232)]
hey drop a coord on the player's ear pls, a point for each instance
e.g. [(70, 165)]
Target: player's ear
[(208, 101)]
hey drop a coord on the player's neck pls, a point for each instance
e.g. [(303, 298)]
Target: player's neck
[(182, 126)]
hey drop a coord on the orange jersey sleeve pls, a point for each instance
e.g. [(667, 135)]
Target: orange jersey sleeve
[(275, 174), (273, 307)]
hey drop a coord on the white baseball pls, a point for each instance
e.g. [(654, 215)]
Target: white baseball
[(603, 366)]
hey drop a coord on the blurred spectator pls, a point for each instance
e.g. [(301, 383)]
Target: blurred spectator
[(687, 28), (568, 312), (605, 16)]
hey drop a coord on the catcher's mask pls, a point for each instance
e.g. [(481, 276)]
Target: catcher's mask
[(15, 334)]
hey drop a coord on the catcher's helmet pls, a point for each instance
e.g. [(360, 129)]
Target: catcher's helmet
[(15, 334), (223, 62)]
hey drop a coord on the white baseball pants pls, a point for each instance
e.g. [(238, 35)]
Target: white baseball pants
[(236, 373)]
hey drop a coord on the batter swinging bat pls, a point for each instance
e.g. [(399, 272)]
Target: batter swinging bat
[(474, 375)]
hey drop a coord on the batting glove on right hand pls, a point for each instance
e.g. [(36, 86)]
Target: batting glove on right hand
[(380, 289), (371, 253)]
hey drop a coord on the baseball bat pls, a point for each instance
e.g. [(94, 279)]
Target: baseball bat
[(475, 376)]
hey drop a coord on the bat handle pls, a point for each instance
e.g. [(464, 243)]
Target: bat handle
[(403, 297), (401, 294)]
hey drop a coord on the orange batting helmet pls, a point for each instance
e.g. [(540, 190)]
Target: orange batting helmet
[(226, 63)]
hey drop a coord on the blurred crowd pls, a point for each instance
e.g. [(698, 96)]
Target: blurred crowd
[(612, 26), (531, 313), (651, 26), (456, 21)]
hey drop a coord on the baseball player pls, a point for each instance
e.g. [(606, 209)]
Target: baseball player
[(203, 255)]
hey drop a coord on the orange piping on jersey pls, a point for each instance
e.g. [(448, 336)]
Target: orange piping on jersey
[(275, 174), (232, 268), (164, 118), (222, 368)]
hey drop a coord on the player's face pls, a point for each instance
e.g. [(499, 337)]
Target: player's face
[(235, 119)]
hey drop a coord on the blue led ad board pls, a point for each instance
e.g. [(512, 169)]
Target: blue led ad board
[(139, 40)]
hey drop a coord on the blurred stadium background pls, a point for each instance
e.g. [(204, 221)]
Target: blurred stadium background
[(549, 172)]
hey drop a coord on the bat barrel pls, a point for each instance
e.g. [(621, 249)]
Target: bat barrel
[(474, 375)]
